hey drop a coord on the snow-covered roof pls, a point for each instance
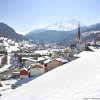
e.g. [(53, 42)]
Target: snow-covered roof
[(76, 80), (35, 65), (42, 52), (46, 57), (41, 59), (25, 58), (24, 69), (92, 48), (45, 62), (62, 60)]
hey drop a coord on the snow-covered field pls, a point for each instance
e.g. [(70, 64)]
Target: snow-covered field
[(6, 89), (77, 80)]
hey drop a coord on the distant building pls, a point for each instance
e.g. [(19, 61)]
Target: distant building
[(51, 64)]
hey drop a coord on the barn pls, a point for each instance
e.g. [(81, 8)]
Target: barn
[(23, 73)]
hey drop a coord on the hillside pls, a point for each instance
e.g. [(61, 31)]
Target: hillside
[(48, 36), (76, 80), (88, 37), (51, 36), (8, 32)]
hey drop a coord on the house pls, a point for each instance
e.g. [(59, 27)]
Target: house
[(36, 70), (23, 73), (51, 64)]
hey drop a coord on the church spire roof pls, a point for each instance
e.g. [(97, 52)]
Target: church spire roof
[(79, 34)]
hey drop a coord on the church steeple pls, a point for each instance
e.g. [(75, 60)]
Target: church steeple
[(79, 35)]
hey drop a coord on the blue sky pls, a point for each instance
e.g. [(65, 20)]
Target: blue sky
[(26, 15)]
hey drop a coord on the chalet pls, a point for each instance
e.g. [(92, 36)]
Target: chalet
[(36, 70), (51, 64), (23, 73)]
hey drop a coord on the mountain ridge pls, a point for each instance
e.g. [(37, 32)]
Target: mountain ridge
[(7, 31), (63, 38)]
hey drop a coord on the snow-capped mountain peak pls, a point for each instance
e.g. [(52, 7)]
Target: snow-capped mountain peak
[(64, 25)]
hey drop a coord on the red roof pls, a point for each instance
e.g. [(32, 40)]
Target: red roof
[(23, 72)]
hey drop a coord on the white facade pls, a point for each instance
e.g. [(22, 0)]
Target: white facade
[(81, 46), (23, 76), (36, 71)]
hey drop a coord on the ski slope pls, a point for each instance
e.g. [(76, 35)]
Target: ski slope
[(77, 80)]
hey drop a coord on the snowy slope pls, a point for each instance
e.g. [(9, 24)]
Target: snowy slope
[(77, 80)]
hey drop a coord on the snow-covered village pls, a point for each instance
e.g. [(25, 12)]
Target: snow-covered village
[(47, 54), (33, 66)]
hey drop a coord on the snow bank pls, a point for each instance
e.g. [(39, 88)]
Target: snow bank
[(77, 80)]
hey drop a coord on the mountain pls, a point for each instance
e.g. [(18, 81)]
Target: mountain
[(35, 32), (64, 38), (55, 32), (58, 26), (6, 31), (49, 36)]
